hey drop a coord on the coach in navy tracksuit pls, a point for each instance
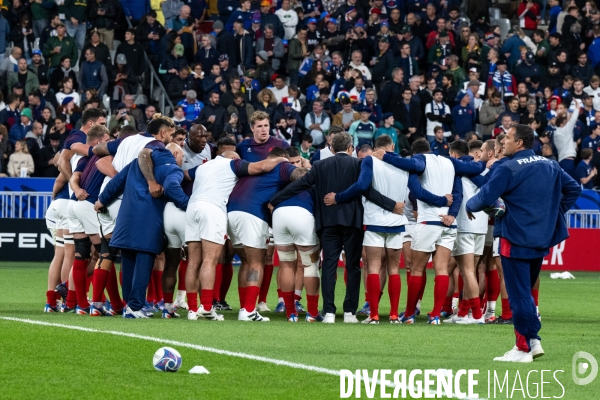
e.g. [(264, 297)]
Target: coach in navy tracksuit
[(139, 226), (537, 194)]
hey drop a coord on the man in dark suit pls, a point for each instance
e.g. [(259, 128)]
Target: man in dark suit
[(339, 226)]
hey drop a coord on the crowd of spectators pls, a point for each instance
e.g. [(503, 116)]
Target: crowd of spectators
[(409, 69)]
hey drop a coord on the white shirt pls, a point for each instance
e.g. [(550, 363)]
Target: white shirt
[(432, 124), (595, 93), (214, 191), (391, 182), (279, 93), (463, 223), (323, 120), (289, 20), (563, 138), (60, 96), (363, 70), (191, 159), (438, 178)]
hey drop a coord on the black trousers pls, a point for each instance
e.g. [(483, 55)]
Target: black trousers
[(333, 240)]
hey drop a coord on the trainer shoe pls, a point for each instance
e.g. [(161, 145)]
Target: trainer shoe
[(293, 318), (48, 308), (82, 311), (446, 314), (225, 306), (149, 308), (97, 311), (517, 356), (536, 348), (192, 316), (216, 305), (180, 304), (365, 310), (317, 318), (369, 320), (433, 321), (280, 308), (244, 315), (489, 318), (210, 315), (407, 320), (394, 319), (502, 321), (454, 318), (65, 309), (166, 314), (160, 305), (62, 289), (262, 306), (129, 313), (350, 318), (299, 308), (329, 318)]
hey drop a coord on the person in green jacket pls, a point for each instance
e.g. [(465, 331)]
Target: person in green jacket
[(31, 81), (40, 12), (58, 46), (76, 18), (298, 50)]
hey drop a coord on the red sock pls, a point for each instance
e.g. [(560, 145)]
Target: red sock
[(168, 297), (112, 287), (506, 312), (181, 274), (217, 284), (407, 275), (279, 295), (394, 286), (297, 297), (464, 307), (226, 282), (57, 297), (288, 300), (51, 298), (447, 305), (493, 285), (374, 287), (250, 297), (312, 304), (206, 298), (439, 294), (266, 282), (79, 280), (99, 278), (157, 282), (150, 291), (71, 299), (412, 296), (88, 282), (535, 293), (423, 284), (192, 300), (242, 295), (475, 308)]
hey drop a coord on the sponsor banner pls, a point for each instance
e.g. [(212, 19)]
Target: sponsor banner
[(25, 240)]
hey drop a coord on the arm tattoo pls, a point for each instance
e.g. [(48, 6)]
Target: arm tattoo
[(146, 165), (101, 150)]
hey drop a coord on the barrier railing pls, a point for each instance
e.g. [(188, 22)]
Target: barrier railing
[(24, 204), (586, 219)]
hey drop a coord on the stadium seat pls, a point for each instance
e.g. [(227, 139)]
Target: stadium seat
[(504, 24), (106, 104), (495, 13)]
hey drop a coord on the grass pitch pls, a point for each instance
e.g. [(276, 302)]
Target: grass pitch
[(53, 362)]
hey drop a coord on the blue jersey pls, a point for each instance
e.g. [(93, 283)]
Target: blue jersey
[(91, 179), (63, 194), (113, 146), (440, 148), (252, 194), (74, 138), (251, 151), (583, 170), (591, 143), (302, 199)]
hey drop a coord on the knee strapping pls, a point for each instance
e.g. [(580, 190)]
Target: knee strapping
[(311, 268), (305, 256), (60, 242), (83, 247), (68, 239), (287, 255), (98, 247), (312, 271)]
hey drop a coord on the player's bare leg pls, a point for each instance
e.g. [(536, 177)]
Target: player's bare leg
[(169, 279), (298, 285), (365, 310), (506, 317), (266, 282), (288, 262), (392, 263), (210, 257), (492, 286), (226, 262), (470, 300), (251, 278), (181, 271), (373, 283), (419, 263), (192, 278), (312, 282), (52, 296), (441, 261)]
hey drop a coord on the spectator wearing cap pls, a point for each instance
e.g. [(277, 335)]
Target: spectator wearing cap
[(134, 52), (19, 130), (503, 80), (102, 50), (92, 74), (387, 128), (47, 168), (37, 65), (349, 19), (527, 69), (172, 64), (148, 33), (58, 46), (121, 117), (213, 116), (206, 54), (180, 84), (416, 46), (313, 35), (47, 93), (264, 71), (440, 51), (122, 80), (384, 63), (554, 77), (25, 77), (511, 48), (272, 45), (102, 14), (583, 68), (363, 130), (268, 18), (555, 41), (242, 13), (191, 106), (440, 26), (244, 46), (490, 41), (463, 116), (472, 88), (288, 18)]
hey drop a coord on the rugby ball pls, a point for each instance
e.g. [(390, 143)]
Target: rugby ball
[(167, 359), (497, 209)]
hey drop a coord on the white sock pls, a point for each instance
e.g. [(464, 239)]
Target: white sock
[(454, 303), (280, 300), (298, 292), (98, 304), (491, 308), (180, 295), (418, 305), (169, 307)]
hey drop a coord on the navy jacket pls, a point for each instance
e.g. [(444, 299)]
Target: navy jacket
[(537, 194), (139, 224)]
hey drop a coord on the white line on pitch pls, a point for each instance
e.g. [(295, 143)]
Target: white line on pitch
[(275, 361)]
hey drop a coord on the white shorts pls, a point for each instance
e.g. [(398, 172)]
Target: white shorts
[(245, 229), (426, 237), (174, 225), (408, 233), (85, 214), (271, 238), (62, 211), (383, 240), (294, 225), (489, 236), (495, 247), (74, 224), (108, 220), (52, 219), (205, 221), (468, 243)]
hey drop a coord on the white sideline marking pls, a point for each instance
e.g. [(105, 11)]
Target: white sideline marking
[(275, 361)]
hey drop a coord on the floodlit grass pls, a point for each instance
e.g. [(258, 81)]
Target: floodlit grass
[(54, 362)]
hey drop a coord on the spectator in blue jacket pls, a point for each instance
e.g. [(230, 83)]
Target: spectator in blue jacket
[(594, 50), (512, 48), (463, 116), (19, 130), (241, 14), (585, 171), (135, 9)]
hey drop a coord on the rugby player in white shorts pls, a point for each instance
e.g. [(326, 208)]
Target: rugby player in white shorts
[(206, 225)]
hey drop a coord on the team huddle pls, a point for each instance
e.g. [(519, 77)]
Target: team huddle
[(178, 208)]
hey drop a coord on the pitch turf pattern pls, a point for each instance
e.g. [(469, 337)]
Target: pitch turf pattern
[(53, 362)]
